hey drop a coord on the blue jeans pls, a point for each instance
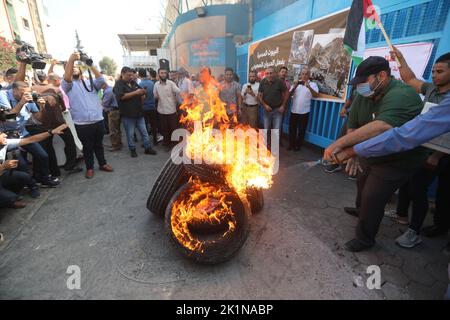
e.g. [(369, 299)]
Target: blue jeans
[(273, 120), (130, 125)]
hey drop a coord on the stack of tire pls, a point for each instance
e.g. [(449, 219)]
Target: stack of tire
[(172, 186)]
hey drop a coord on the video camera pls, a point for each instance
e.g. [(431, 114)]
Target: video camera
[(26, 54), (85, 58), (5, 116)]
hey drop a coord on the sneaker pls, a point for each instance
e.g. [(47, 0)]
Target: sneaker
[(352, 178), (34, 193), (392, 214), (409, 240), (50, 183), (332, 168), (134, 154), (160, 139), (2, 238), (151, 152)]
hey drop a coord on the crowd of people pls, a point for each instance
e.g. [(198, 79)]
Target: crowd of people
[(148, 102)]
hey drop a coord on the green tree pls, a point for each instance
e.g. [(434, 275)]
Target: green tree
[(7, 55), (108, 66)]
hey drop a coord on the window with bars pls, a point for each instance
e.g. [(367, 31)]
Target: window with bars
[(422, 19)]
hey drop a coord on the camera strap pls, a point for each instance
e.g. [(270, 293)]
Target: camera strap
[(91, 80)]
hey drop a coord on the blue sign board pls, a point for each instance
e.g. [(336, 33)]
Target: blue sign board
[(208, 52)]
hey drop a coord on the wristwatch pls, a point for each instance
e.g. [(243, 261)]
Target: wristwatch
[(50, 132)]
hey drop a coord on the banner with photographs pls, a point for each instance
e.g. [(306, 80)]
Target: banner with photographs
[(317, 45)]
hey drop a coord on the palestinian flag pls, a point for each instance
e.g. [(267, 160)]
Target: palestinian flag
[(362, 14)]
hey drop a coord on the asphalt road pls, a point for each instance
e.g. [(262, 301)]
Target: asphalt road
[(294, 250)]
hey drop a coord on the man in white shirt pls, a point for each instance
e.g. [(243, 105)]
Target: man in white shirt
[(167, 92), (303, 92), (250, 110)]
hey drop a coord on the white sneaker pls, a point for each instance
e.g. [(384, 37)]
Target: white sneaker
[(409, 240)]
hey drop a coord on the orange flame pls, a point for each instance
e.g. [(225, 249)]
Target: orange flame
[(242, 155)]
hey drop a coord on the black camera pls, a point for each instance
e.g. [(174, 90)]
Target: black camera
[(6, 116), (85, 58), (26, 54), (36, 96)]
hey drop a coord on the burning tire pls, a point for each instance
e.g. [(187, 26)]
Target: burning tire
[(171, 178), (199, 205), (205, 172), (256, 199)]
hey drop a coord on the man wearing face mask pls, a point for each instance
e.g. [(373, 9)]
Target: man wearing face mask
[(382, 103)]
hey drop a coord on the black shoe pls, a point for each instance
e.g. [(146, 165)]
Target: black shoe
[(357, 246), (34, 193), (352, 211), (433, 232), (151, 152), (134, 154), (50, 183), (74, 170)]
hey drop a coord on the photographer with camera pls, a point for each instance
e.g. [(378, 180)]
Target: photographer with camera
[(10, 77), (86, 111), (12, 181), (22, 102)]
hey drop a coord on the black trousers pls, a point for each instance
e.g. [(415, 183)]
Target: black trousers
[(91, 136), (376, 185), (152, 120), (70, 151), (11, 183), (169, 123), (297, 129), (416, 192)]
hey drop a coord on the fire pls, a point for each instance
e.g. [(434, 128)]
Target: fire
[(203, 203), (241, 153)]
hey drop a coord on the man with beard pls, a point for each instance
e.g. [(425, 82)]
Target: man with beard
[(382, 103), (167, 93), (87, 113), (250, 111), (130, 98)]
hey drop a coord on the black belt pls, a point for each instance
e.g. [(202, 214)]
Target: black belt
[(252, 106)]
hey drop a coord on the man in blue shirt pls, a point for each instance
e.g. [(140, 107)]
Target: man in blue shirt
[(87, 113), (111, 107), (150, 111)]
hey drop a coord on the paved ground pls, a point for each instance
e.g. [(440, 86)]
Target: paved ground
[(294, 250)]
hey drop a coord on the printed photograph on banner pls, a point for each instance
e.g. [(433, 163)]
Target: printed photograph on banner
[(302, 42), (318, 45), (330, 64)]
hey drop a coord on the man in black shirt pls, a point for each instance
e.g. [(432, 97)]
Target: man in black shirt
[(130, 98)]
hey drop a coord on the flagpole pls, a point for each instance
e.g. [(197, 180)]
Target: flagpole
[(388, 41)]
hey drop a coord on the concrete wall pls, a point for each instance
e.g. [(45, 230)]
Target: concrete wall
[(5, 28), (222, 23), (405, 21)]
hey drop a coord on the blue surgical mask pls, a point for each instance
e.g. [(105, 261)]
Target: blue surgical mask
[(365, 90)]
